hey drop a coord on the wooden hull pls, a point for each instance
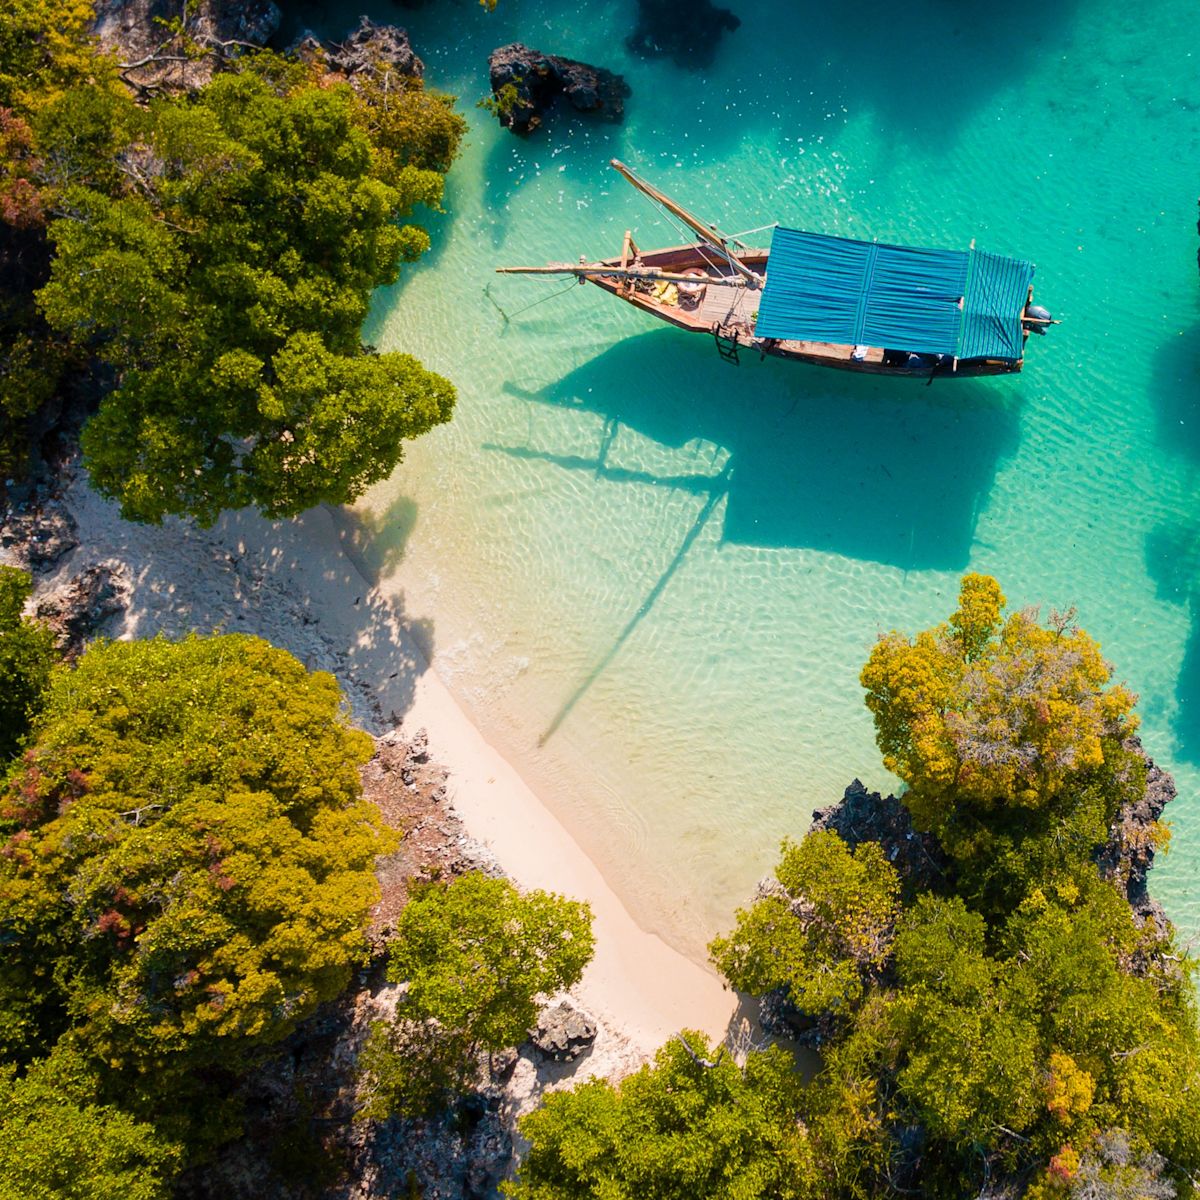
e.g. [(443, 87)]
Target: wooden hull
[(727, 314)]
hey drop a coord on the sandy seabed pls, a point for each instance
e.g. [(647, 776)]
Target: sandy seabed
[(300, 585)]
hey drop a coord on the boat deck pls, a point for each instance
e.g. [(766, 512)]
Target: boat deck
[(730, 307), (732, 310), (736, 308)]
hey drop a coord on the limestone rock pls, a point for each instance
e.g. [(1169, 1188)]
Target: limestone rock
[(539, 79), (76, 609), (372, 49), (131, 29), (40, 536), (862, 816), (563, 1033), (1127, 856)]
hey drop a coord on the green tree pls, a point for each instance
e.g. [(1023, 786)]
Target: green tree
[(972, 1047), (1010, 736), (477, 955), (27, 656), (188, 863), (225, 276), (409, 126), (693, 1124), (58, 1142), (822, 932), (1017, 1026)]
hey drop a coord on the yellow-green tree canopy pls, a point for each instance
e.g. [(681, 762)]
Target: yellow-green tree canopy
[(993, 711), (187, 863), (692, 1125), (27, 655), (46, 46), (59, 1142), (822, 932)]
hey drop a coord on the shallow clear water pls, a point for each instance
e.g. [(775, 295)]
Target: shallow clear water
[(654, 577)]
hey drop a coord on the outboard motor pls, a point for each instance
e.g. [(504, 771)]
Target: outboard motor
[(1039, 318)]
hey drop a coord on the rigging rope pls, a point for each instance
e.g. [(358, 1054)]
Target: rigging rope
[(746, 232), (680, 228), (527, 307)]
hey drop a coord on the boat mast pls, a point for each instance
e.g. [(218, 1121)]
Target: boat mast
[(710, 233), (599, 270)]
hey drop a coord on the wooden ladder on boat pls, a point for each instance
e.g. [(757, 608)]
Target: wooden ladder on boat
[(727, 347)]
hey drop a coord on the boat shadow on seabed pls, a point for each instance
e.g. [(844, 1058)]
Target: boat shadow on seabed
[(885, 471), (867, 468)]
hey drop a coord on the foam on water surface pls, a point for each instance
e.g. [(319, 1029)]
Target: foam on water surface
[(653, 578)]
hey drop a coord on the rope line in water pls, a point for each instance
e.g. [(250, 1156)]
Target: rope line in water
[(527, 307)]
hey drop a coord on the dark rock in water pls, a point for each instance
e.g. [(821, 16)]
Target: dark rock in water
[(525, 84), (563, 1033), (686, 31), (371, 50), (131, 28), (76, 610)]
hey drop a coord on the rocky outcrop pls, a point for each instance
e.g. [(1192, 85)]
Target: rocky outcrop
[(862, 816), (371, 50), (410, 791), (132, 30), (563, 1033), (77, 608), (1128, 855), (686, 31), (39, 535), (526, 83)]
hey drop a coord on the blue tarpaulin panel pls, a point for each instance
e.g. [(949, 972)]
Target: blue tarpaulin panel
[(995, 298), (831, 289)]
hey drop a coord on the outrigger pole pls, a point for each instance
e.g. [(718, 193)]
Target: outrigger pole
[(710, 233), (600, 270)]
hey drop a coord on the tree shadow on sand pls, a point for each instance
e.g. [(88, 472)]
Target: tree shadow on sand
[(366, 637)]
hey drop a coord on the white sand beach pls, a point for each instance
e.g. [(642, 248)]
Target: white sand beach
[(296, 583)]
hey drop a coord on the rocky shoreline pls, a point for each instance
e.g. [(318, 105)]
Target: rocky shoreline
[(301, 1136), (860, 816), (153, 60)]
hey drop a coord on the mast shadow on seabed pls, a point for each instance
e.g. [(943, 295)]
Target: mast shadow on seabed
[(880, 471)]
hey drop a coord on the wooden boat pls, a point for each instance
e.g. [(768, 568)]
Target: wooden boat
[(831, 301)]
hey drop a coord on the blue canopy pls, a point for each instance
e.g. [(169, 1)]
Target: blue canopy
[(830, 289)]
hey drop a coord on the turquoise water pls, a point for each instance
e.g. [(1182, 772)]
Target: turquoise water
[(653, 577)]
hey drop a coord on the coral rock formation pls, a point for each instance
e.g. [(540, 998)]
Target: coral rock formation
[(535, 80)]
